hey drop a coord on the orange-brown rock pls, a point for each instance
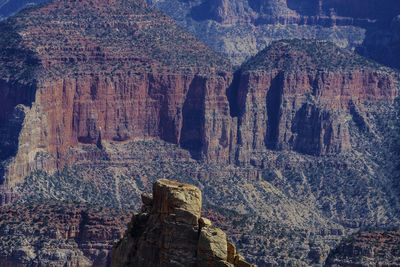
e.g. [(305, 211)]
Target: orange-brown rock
[(106, 70), (59, 234), (173, 234), (293, 96)]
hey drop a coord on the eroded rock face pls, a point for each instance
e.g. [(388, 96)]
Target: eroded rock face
[(285, 107), (59, 234), (129, 74), (173, 233), (373, 248), (240, 29)]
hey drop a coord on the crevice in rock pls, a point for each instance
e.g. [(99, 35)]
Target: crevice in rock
[(232, 94), (193, 118), (274, 101)]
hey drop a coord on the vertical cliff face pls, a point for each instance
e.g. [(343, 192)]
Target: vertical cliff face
[(91, 72), (171, 232), (185, 109), (281, 106)]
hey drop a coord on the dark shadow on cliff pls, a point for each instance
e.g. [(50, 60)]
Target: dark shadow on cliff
[(232, 93), (17, 90), (308, 123), (274, 101), (193, 118)]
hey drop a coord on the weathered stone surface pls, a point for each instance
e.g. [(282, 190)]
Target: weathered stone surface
[(77, 85), (285, 107), (169, 236), (59, 234), (231, 252), (373, 248), (212, 246), (175, 199)]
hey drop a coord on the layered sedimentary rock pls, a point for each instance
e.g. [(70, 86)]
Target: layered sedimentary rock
[(76, 73), (98, 89), (171, 232), (301, 95), (372, 248), (59, 234), (240, 29)]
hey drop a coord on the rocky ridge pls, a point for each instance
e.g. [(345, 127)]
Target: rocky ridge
[(170, 231), (77, 76), (59, 234), (369, 248), (239, 29), (73, 127)]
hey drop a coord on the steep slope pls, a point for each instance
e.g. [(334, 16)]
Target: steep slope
[(77, 72), (240, 29), (300, 95), (314, 98), (372, 248), (98, 101), (59, 234)]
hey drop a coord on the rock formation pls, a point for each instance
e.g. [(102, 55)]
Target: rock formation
[(101, 98), (370, 248), (239, 29), (171, 232), (300, 95), (74, 72), (59, 234)]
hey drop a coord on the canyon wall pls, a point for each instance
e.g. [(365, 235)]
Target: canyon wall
[(281, 106), (240, 29), (119, 95), (307, 112), (84, 87), (59, 234)]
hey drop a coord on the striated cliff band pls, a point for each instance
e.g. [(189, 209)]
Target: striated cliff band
[(74, 74), (293, 151), (239, 29)]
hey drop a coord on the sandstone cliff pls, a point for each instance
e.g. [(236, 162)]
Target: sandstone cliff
[(171, 232), (76, 73), (295, 150), (300, 95)]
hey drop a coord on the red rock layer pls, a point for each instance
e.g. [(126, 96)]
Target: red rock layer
[(189, 110), (305, 111), (85, 234), (375, 248), (117, 71)]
